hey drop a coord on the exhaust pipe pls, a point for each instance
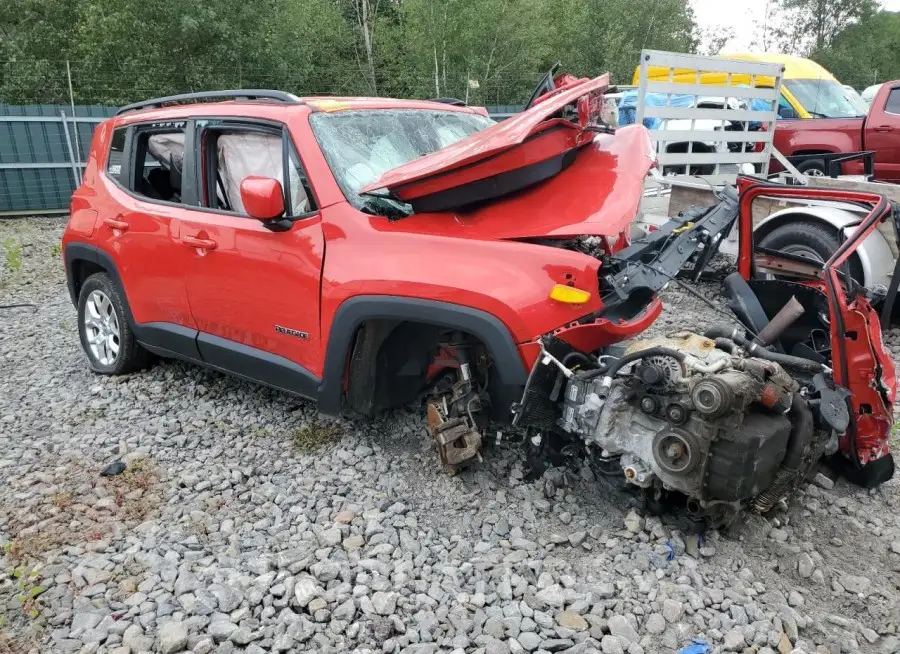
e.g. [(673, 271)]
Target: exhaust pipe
[(787, 316)]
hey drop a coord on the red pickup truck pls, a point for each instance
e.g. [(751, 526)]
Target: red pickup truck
[(835, 129)]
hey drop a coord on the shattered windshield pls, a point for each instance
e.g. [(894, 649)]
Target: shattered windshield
[(826, 98), (362, 145)]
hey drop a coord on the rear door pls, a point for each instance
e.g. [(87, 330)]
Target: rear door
[(882, 131), (143, 179), (253, 291)]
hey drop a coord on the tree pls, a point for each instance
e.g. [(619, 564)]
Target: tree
[(806, 26), (430, 33), (714, 40), (35, 37), (486, 51), (865, 53), (775, 33), (365, 14), (598, 36)]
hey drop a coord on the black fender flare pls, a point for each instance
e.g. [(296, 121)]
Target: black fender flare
[(508, 368), (84, 252)]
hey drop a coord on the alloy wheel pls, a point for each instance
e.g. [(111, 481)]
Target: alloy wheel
[(101, 327)]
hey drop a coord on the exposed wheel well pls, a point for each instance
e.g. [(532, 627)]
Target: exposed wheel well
[(508, 374), (392, 361), (81, 269)]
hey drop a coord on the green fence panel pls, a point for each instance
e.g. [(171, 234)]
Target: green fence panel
[(36, 163)]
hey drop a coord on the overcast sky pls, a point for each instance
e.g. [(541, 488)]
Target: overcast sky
[(743, 16)]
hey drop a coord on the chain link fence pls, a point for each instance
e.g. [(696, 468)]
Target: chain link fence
[(42, 81)]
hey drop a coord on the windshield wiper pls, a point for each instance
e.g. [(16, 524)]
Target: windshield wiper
[(378, 205)]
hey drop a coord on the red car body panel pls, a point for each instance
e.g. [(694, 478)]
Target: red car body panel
[(143, 252), (598, 194), (251, 281), (882, 133), (554, 137), (511, 280), (796, 136), (490, 142), (584, 337), (232, 278), (878, 132)]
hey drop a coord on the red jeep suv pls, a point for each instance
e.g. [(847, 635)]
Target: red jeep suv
[(369, 253), (355, 251)]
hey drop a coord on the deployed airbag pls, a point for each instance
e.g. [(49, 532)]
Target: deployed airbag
[(243, 154)]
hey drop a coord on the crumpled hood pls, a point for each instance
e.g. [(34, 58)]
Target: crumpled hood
[(596, 194), (524, 140)]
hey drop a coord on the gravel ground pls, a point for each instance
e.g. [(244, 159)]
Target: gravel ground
[(246, 524)]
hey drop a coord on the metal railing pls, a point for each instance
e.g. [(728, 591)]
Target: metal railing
[(724, 109)]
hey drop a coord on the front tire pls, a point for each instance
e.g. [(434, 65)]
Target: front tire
[(103, 327)]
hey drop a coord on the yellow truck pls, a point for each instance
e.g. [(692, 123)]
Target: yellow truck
[(807, 90)]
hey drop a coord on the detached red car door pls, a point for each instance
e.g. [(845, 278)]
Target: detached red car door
[(254, 292), (883, 131)]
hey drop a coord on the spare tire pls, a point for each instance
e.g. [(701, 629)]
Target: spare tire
[(812, 240)]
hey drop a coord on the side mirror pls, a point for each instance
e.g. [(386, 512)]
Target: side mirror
[(263, 197)]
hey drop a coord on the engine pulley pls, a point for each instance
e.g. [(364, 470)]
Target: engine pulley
[(677, 452), (712, 397)]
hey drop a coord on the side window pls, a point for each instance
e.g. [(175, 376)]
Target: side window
[(785, 110), (116, 157), (892, 106), (159, 157), (230, 154)]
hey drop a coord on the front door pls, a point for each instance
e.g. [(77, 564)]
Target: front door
[(253, 291)]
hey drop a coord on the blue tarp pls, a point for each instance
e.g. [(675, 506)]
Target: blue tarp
[(628, 106)]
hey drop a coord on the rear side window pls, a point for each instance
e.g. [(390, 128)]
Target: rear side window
[(892, 106), (159, 157), (116, 158)]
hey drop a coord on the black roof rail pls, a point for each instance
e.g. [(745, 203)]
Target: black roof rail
[(453, 102), (234, 94)]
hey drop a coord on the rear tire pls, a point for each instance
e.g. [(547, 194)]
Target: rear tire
[(811, 240), (813, 168), (106, 336)]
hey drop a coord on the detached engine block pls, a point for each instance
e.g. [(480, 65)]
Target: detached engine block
[(688, 416)]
